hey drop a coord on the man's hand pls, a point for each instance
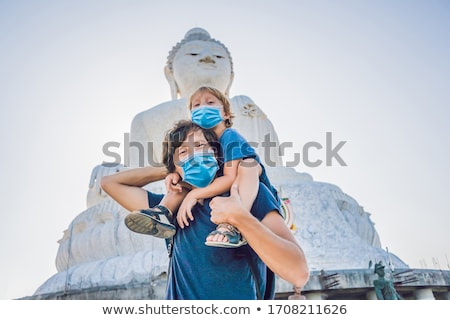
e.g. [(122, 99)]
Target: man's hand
[(224, 207)]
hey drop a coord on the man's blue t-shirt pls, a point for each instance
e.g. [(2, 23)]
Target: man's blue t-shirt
[(234, 146), (200, 272)]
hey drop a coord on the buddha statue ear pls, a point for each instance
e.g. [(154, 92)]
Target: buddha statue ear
[(172, 83), (227, 90)]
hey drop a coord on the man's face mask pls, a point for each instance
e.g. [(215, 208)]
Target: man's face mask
[(199, 169), (207, 117)]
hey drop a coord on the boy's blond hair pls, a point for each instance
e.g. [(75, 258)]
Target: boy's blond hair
[(219, 95)]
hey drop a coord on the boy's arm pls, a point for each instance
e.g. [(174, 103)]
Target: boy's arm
[(125, 187), (219, 185)]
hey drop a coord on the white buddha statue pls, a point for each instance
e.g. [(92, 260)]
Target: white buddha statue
[(97, 251)]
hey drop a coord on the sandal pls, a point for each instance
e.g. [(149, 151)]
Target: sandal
[(235, 239), (155, 221)]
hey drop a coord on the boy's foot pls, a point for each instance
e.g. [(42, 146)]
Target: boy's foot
[(155, 221), (232, 237)]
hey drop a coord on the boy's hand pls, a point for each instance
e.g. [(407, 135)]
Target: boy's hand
[(184, 214)]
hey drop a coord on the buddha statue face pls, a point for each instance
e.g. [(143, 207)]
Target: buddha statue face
[(198, 60), (199, 63)]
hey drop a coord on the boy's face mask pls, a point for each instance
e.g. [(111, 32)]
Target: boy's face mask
[(199, 169), (207, 117)]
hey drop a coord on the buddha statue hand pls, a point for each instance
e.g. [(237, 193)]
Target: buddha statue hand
[(95, 192)]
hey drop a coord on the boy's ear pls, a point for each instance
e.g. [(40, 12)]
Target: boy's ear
[(227, 115)]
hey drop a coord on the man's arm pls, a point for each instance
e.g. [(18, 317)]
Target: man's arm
[(270, 239), (125, 187)]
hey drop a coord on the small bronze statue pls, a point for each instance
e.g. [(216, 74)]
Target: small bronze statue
[(384, 289)]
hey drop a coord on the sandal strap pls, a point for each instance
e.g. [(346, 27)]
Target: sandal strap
[(165, 210), (169, 216), (228, 226), (232, 233), (163, 215)]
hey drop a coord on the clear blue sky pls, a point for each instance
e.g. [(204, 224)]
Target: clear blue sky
[(374, 73)]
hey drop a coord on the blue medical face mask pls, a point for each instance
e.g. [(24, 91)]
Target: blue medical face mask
[(199, 169), (206, 117)]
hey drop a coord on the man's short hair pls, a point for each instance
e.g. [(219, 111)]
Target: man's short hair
[(178, 134)]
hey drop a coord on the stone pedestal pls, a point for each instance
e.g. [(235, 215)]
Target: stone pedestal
[(314, 296), (424, 294), (371, 295)]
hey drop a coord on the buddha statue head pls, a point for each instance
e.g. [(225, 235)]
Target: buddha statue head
[(198, 60)]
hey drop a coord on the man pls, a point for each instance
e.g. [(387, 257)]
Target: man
[(200, 272)]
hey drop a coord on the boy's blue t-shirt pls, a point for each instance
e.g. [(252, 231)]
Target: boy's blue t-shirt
[(200, 272), (234, 146)]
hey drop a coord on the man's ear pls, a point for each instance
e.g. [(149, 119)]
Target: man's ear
[(172, 83)]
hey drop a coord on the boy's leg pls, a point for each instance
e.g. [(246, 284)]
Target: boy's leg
[(173, 199), (247, 180)]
